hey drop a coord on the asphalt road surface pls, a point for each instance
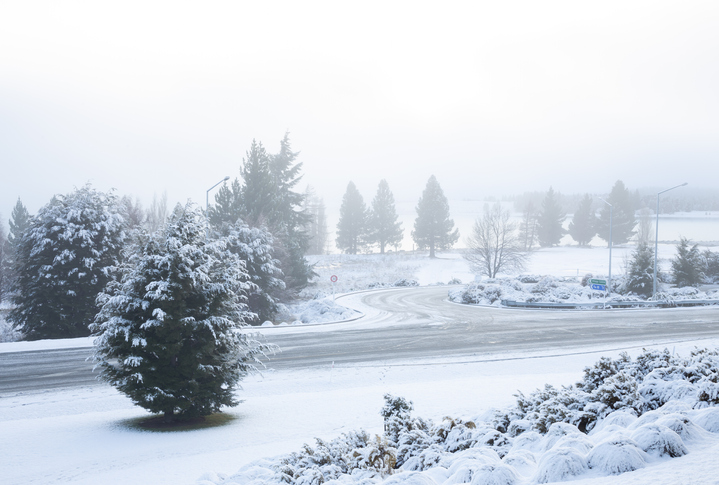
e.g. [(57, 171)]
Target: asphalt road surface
[(407, 324)]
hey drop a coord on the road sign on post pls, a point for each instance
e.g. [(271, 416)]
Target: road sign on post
[(598, 282), (333, 279), (598, 287)]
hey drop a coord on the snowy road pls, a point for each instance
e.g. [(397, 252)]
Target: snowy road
[(407, 324)]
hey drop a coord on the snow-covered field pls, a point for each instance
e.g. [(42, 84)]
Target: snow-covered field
[(82, 436)]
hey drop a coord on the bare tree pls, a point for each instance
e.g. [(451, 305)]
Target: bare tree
[(494, 245), (156, 213), (645, 228)]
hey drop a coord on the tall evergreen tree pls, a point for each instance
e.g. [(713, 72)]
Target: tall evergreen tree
[(19, 224), (352, 226), (259, 197), (640, 274), (228, 207), (528, 227), (688, 265), (583, 225), (383, 227), (168, 331), (623, 220), (549, 221), (66, 258), (433, 229)]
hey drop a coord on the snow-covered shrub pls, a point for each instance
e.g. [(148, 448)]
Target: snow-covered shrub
[(454, 281), (529, 278), (559, 465), (619, 391), (321, 311), (681, 425), (397, 416), (495, 474), (615, 456), (708, 419), (605, 367), (405, 282), (659, 440), (377, 455)]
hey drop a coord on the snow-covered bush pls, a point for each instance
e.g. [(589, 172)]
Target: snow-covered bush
[(405, 282), (560, 464), (659, 440), (552, 434), (615, 456)]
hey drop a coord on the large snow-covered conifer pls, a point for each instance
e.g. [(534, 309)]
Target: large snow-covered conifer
[(168, 330), (550, 219), (640, 273), (583, 225), (622, 215), (688, 265), (384, 228), (64, 260), (352, 225), (433, 228)]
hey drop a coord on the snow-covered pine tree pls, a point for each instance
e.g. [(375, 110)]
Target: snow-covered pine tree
[(623, 220), (528, 227), (168, 328), (228, 206), (640, 273), (433, 228), (258, 189), (290, 219), (352, 225), (64, 261), (254, 246), (687, 265), (383, 227), (711, 266), (583, 225), (549, 221)]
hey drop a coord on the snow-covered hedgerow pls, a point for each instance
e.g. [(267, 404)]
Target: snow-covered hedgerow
[(623, 415), (549, 289)]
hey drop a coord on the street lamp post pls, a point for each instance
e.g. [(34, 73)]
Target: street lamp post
[(609, 279), (656, 240), (207, 203), (207, 195)]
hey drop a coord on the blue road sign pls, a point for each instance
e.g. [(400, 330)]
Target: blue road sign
[(598, 287)]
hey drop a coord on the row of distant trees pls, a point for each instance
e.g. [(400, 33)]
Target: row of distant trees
[(360, 227)]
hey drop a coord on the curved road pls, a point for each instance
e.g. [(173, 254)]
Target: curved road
[(411, 323)]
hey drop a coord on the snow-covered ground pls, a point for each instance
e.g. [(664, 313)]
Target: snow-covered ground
[(81, 436)]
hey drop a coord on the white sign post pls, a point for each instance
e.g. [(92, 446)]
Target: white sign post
[(333, 279)]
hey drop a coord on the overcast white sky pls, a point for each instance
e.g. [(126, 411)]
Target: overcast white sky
[(491, 97)]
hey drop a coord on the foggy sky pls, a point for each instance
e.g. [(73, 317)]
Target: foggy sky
[(491, 97)]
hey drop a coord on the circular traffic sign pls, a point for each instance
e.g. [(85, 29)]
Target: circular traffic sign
[(333, 279)]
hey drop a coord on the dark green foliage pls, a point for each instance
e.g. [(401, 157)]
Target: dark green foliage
[(266, 199), (64, 260), (254, 246), (623, 220), (550, 219), (640, 273), (168, 329), (384, 228), (352, 226), (433, 228), (583, 225), (687, 265), (19, 224)]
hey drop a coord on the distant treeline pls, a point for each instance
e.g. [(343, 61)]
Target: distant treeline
[(685, 199)]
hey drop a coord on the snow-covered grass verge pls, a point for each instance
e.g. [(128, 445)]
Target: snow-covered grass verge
[(624, 415), (550, 289)]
